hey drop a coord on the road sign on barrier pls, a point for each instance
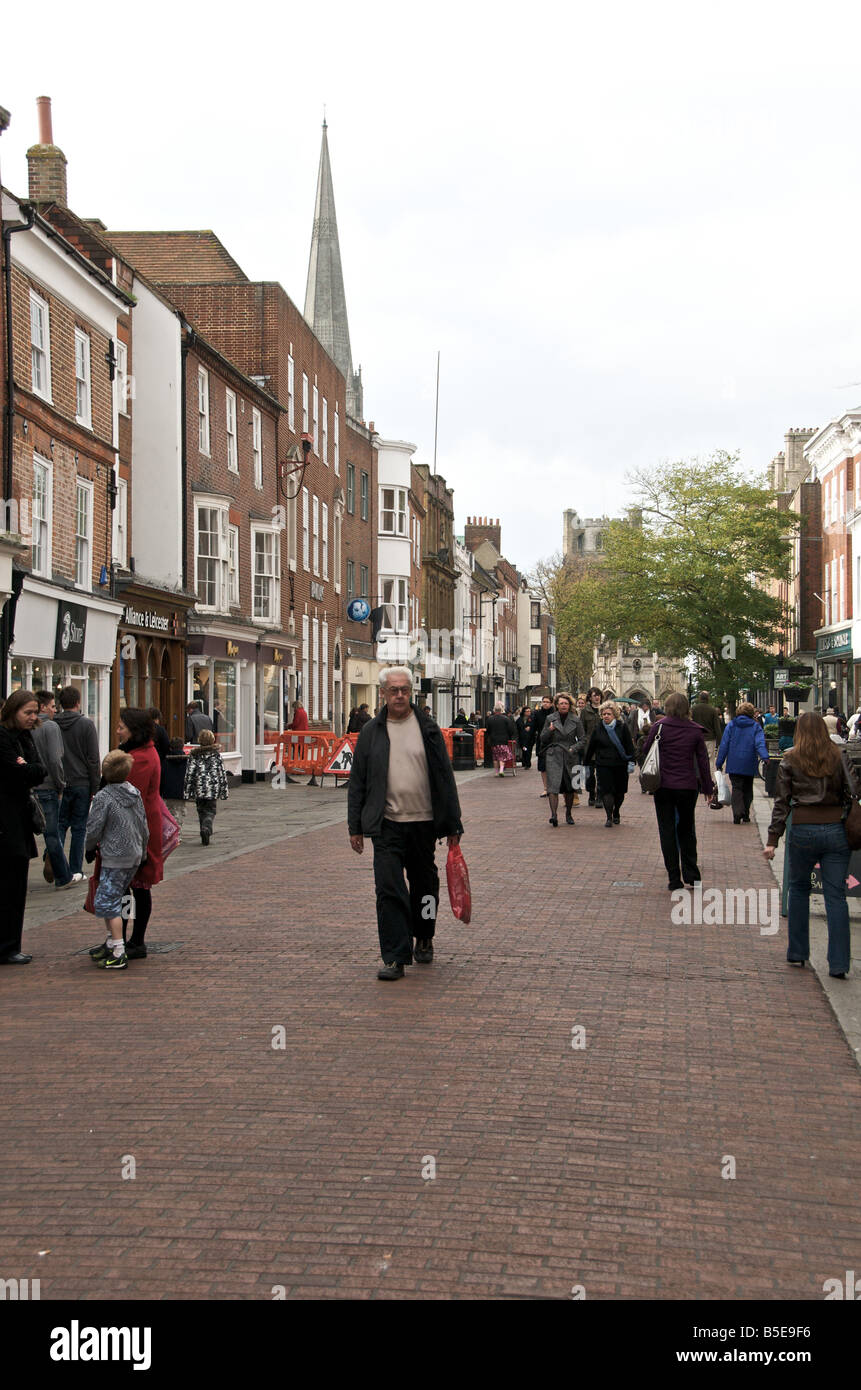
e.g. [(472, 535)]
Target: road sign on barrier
[(341, 762)]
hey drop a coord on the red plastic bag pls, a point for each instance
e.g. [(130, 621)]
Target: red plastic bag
[(457, 876), (89, 902)]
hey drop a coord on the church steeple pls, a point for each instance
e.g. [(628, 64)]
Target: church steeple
[(325, 300)]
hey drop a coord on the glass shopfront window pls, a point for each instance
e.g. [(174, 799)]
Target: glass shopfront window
[(224, 704), (270, 702), (18, 674)]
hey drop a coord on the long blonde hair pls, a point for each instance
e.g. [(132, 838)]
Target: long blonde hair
[(813, 752)]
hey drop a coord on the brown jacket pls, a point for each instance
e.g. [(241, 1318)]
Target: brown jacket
[(812, 800), (706, 715)]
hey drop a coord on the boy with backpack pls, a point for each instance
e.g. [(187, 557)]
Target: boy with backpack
[(117, 825)]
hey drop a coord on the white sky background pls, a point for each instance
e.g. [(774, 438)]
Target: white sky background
[(631, 231)]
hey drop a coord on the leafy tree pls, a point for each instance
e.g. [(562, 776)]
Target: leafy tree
[(689, 570)]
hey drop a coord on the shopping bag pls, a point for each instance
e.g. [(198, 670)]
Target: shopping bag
[(723, 795), (457, 877), (170, 832), (650, 772), (90, 900)]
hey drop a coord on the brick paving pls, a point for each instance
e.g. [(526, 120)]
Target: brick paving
[(301, 1168)]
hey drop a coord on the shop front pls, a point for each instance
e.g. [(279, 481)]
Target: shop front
[(361, 685), (834, 669), (66, 637), (246, 688), (149, 671)]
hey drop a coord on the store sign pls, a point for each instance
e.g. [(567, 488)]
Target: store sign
[(358, 610), (277, 657), (780, 677), (150, 620), (317, 591), (232, 648), (831, 644), (71, 631)]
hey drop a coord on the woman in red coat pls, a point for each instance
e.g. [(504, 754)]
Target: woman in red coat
[(135, 731)]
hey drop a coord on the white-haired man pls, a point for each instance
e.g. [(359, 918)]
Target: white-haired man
[(402, 794)]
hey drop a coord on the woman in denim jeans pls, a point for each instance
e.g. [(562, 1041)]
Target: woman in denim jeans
[(816, 781)]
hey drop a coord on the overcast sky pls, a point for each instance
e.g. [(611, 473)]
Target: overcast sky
[(631, 231)]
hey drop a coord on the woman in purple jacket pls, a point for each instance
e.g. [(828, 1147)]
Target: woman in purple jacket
[(683, 755)]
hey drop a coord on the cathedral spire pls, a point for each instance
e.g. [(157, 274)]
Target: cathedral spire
[(325, 300)]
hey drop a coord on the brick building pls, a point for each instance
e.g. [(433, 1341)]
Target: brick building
[(833, 455), (439, 581), (483, 537), (799, 493)]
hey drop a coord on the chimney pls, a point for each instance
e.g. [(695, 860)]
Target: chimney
[(47, 164)]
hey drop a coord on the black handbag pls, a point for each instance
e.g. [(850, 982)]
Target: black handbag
[(37, 815)]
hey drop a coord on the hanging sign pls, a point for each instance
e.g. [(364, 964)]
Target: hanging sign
[(358, 610)]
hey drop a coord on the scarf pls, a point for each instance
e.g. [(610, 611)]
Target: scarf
[(610, 731)]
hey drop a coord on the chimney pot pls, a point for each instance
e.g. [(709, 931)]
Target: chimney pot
[(43, 108)]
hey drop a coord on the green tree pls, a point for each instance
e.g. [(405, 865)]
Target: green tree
[(572, 590), (690, 568)]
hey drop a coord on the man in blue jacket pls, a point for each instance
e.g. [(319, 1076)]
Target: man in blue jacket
[(741, 747), (402, 794)]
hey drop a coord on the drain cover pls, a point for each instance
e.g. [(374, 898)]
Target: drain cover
[(627, 883)]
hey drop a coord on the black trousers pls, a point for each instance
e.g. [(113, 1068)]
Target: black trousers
[(206, 809), (678, 839), (407, 884), (742, 794), (612, 786), (143, 909), (14, 870)]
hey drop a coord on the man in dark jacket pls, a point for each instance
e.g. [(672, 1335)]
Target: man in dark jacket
[(82, 769), (48, 742), (706, 715), (195, 720), (402, 794)]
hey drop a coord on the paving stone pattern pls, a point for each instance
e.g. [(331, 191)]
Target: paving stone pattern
[(301, 1167)]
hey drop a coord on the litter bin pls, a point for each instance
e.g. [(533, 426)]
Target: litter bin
[(772, 767), (462, 750)]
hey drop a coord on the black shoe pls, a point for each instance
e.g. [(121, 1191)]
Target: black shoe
[(674, 885), (393, 970), (837, 974), (569, 819), (800, 963), (608, 824), (616, 819), (17, 959), (205, 836), (98, 953), (135, 952), (745, 820), (592, 801), (553, 820), (697, 878), (423, 952), (737, 820)]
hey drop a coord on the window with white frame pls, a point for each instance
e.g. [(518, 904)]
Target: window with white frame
[(827, 595), (291, 531), (83, 400), (305, 624), (393, 511), (325, 541), (119, 548), (325, 432), (394, 599), (337, 442), (337, 550), (121, 378), (324, 691), (316, 421), (83, 534), (364, 486), (315, 667), (203, 410), (233, 566), (363, 581), (230, 414), (212, 557), (315, 532), (842, 588), (291, 392), (351, 578), (40, 347), (306, 529), (267, 574), (257, 446), (304, 403), (42, 508), (418, 542), (351, 488)]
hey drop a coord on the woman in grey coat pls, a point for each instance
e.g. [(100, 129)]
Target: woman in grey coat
[(563, 739)]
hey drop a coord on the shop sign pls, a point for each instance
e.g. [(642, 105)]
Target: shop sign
[(832, 644), (71, 631), (358, 610), (317, 591), (232, 648), (277, 657), (780, 677), (150, 620)]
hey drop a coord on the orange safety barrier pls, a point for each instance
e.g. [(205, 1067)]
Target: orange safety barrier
[(303, 752), (338, 742), (479, 745), (448, 741)]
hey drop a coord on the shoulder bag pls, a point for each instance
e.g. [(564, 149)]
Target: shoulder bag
[(852, 818), (650, 772)]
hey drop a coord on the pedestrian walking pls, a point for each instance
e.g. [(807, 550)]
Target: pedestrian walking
[(501, 730), (48, 743), (815, 781), (117, 826), (741, 747), (682, 756), (611, 749), (786, 730), (591, 719), (135, 730), (20, 773), (525, 735), (707, 716), (563, 739), (161, 738), (82, 770), (195, 720), (544, 710), (205, 782), (403, 796)]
